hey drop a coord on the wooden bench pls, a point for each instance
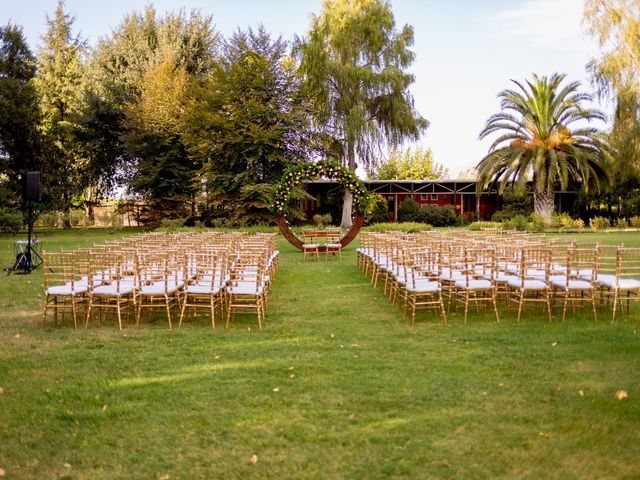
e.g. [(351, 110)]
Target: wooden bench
[(322, 241)]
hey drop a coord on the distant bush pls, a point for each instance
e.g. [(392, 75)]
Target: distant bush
[(170, 224), (635, 221), (437, 216), (409, 227), (322, 220), (517, 222), (621, 223), (10, 220), (501, 215), (536, 223), (49, 219), (564, 222), (377, 210), (480, 225), (408, 210), (599, 223), (77, 218)]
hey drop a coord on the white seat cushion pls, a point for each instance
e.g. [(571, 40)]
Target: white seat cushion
[(78, 289), (202, 289), (528, 284), (423, 286), (623, 283), (112, 290), (474, 284), (505, 278), (574, 284), (245, 289), (310, 245)]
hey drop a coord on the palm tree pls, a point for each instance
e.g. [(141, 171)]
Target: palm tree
[(544, 136)]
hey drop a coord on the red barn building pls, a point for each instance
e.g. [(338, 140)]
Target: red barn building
[(461, 194)]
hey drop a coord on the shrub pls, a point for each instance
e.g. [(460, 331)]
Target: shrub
[(377, 210), (564, 222), (77, 218), (477, 226), (407, 210), (409, 227), (170, 224), (635, 221), (599, 223), (49, 219), (536, 223), (621, 223), (322, 220), (438, 216), (10, 220), (518, 222), (501, 216)]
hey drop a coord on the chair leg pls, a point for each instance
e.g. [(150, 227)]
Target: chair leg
[(441, 303), (520, 303), (466, 305), (46, 305), (184, 305), (213, 311), (73, 312), (118, 312), (564, 307), (166, 302), (495, 309)]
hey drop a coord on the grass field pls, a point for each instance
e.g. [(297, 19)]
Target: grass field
[(338, 385)]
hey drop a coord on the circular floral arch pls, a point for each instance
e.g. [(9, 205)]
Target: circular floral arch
[(324, 168)]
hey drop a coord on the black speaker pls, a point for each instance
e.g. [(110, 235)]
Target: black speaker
[(33, 187)]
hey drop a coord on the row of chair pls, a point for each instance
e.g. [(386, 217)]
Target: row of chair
[(229, 273), (434, 269)]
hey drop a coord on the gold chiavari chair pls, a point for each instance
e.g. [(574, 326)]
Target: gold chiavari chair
[(477, 286), (577, 285), (206, 280), (111, 285), (531, 282), (626, 284), (160, 279), (64, 288), (247, 287)]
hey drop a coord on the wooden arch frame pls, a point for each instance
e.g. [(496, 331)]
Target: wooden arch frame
[(358, 220), (308, 170)]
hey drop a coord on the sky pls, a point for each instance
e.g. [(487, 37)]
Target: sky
[(467, 51)]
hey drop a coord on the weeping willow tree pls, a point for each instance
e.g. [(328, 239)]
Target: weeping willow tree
[(353, 61), (616, 72), (544, 134)]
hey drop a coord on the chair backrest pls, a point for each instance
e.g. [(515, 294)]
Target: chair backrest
[(582, 263), (628, 264), (59, 269), (535, 264)]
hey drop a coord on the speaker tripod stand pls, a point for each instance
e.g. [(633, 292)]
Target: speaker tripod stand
[(27, 256)]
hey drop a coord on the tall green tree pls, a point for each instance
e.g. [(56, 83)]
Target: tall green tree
[(18, 114), (539, 139), (250, 122), (59, 86), (409, 164), (616, 73), (164, 173), (354, 61), (132, 130)]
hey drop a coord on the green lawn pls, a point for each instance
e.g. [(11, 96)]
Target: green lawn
[(360, 394)]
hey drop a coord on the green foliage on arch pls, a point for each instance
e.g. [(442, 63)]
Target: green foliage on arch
[(324, 168)]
